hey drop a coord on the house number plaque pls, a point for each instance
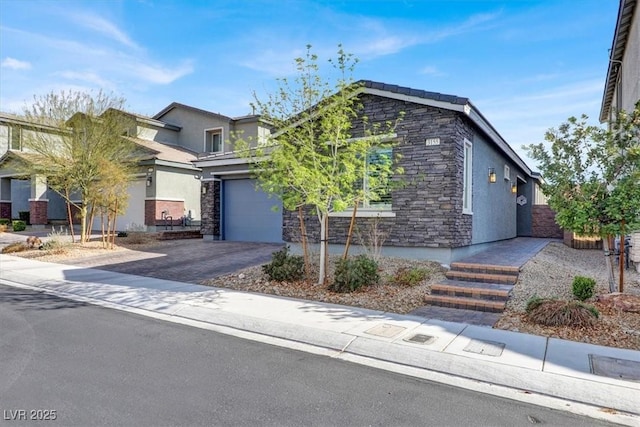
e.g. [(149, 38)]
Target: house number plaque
[(432, 141)]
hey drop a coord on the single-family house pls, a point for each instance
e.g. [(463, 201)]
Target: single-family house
[(164, 186), (464, 187), (622, 84)]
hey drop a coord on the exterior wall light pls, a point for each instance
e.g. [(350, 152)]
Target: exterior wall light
[(492, 175), (514, 188), (149, 181)]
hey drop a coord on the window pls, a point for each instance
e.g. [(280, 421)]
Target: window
[(507, 173), (466, 177), (213, 140), (15, 137), (378, 160)]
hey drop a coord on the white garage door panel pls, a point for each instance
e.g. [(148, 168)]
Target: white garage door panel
[(248, 215)]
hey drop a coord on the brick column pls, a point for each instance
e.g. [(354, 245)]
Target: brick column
[(5, 209), (38, 212)]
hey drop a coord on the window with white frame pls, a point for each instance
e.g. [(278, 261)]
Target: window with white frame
[(378, 159), (213, 142), (466, 177), (15, 137)]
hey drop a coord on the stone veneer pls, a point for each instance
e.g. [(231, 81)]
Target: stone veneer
[(428, 208), (544, 223), (210, 209)]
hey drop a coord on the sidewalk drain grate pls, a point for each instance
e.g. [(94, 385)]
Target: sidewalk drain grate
[(486, 348), (614, 368), (421, 339), (385, 330)]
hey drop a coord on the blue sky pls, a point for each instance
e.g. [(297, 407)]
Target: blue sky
[(526, 65)]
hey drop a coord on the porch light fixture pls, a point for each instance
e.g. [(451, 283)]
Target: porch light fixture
[(514, 188), (149, 180), (492, 175)]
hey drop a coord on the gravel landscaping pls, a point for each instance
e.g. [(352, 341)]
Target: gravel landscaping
[(548, 275)]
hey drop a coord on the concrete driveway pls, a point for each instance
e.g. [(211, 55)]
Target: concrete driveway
[(190, 260)]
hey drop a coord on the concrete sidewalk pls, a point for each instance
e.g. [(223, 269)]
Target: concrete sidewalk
[(495, 361)]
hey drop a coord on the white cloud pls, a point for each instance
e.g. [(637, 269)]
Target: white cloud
[(105, 27), (15, 64), (430, 70), (158, 74), (87, 76)]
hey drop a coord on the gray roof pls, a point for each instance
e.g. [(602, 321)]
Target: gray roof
[(452, 99), (618, 46)]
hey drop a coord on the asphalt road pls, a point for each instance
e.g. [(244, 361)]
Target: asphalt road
[(88, 365)]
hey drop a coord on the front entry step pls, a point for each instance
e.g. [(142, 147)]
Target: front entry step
[(472, 276), (466, 303), (470, 286)]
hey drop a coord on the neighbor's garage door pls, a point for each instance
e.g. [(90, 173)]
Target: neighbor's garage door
[(248, 214)]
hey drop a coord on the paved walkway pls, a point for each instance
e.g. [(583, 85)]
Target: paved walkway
[(585, 378)]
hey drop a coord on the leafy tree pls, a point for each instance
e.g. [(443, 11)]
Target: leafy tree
[(312, 159), (87, 152), (592, 175)]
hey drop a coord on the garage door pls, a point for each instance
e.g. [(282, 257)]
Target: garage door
[(248, 214)]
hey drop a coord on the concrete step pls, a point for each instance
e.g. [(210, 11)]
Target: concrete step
[(485, 268), (477, 290), (468, 276), (465, 303)]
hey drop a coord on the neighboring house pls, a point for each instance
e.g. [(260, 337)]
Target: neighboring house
[(622, 86), (164, 185), (465, 186)]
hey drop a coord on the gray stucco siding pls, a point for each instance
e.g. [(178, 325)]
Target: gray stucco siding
[(494, 205), (193, 125)]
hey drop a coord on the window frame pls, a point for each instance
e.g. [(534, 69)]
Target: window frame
[(213, 131), (467, 178), (366, 204)]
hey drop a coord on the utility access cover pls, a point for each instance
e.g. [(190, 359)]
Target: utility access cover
[(420, 339), (385, 330), (487, 348), (614, 368)]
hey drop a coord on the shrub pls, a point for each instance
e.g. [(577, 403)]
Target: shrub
[(405, 276), (5, 221), (583, 287), (284, 267), (353, 273), (563, 313), (533, 303), (15, 247), (19, 225)]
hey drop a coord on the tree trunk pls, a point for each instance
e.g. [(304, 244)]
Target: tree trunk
[(350, 233), (323, 248), (305, 248), (83, 223), (606, 245), (69, 213), (621, 258)]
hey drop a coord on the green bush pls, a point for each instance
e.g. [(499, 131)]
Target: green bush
[(405, 276), (18, 225), (284, 267), (353, 273), (533, 303), (583, 287), (5, 221)]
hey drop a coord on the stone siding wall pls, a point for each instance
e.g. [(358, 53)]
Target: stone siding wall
[(544, 223), (428, 208), (210, 209)]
